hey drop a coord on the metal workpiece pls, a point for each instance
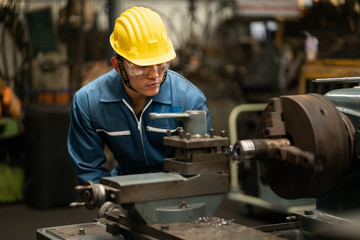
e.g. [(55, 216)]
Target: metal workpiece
[(194, 120), (321, 145), (296, 156), (257, 149)]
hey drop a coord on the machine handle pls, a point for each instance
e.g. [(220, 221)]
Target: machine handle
[(338, 80), (194, 120), (169, 115)]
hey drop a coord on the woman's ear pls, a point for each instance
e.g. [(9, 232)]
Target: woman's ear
[(115, 64)]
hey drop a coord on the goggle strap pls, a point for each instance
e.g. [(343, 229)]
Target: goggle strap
[(124, 75), (164, 77)]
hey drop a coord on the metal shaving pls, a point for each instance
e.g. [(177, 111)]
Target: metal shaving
[(211, 222)]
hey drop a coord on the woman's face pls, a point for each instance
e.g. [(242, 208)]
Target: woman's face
[(145, 80)]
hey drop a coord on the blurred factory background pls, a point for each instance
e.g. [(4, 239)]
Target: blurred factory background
[(234, 51)]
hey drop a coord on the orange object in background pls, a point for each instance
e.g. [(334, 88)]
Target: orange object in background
[(12, 102), (54, 97)]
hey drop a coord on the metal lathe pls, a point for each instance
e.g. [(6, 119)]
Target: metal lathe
[(307, 146)]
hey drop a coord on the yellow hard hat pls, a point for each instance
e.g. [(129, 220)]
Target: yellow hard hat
[(140, 36)]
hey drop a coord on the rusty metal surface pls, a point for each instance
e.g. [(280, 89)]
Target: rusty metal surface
[(156, 186), (313, 125), (207, 157), (196, 142), (198, 154), (191, 168), (273, 119)]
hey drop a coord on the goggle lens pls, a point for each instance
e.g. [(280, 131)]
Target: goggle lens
[(144, 71)]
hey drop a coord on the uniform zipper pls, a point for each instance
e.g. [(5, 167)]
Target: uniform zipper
[(139, 123)]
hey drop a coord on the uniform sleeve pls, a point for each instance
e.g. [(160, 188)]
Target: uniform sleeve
[(85, 146)]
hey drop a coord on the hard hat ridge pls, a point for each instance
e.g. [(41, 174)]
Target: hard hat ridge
[(140, 36)]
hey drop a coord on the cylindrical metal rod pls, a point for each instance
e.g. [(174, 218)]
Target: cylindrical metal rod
[(257, 149), (338, 80)]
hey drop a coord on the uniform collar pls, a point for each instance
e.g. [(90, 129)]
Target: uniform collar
[(113, 89)]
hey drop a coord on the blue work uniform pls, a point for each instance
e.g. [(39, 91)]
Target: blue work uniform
[(101, 113)]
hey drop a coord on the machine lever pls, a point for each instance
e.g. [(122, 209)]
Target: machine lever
[(92, 195), (77, 204), (194, 120), (81, 188)]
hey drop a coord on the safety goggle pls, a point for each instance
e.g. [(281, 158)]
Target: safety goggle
[(137, 71)]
